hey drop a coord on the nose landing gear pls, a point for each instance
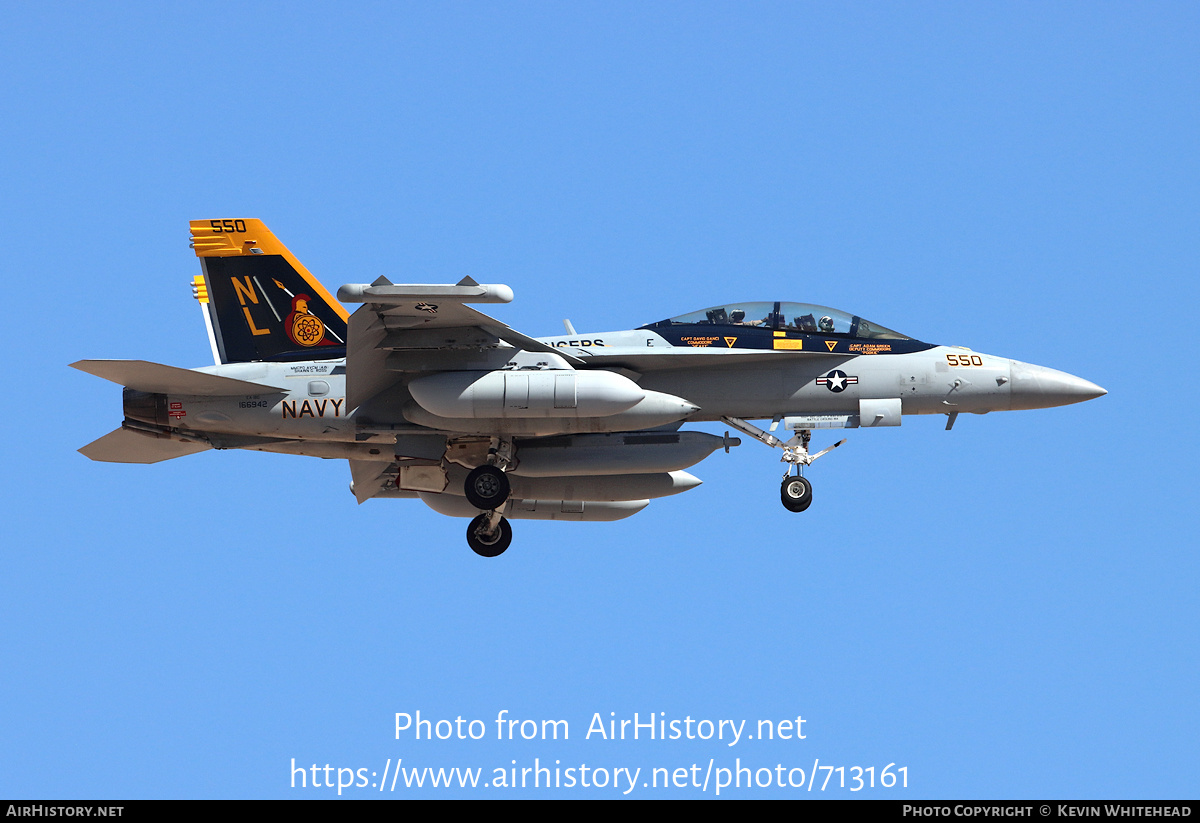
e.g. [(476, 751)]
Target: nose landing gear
[(796, 491)]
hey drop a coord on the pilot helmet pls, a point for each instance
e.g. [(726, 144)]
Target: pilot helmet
[(826, 323), (737, 315)]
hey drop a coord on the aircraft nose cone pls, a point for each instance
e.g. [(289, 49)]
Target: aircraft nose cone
[(1037, 387)]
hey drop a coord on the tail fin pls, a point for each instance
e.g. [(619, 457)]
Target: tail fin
[(259, 302)]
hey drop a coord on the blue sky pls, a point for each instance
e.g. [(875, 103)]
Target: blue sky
[(1006, 610)]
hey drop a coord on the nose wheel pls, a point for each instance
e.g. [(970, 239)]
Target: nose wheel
[(796, 493)]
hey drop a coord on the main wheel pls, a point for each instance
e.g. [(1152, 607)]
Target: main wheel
[(485, 546), (796, 494), (486, 488)]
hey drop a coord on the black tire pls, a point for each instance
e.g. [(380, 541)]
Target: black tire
[(486, 488), (485, 548), (796, 494)]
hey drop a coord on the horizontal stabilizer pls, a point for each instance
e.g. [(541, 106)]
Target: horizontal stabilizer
[(129, 446), (142, 375)]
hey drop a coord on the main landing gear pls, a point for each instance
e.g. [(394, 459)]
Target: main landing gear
[(487, 488), (489, 534), (795, 492)]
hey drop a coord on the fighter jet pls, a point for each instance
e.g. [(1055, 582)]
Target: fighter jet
[(428, 398)]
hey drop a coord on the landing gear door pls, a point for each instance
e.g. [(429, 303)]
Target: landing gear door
[(875, 413)]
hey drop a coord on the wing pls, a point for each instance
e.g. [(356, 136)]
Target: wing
[(417, 327)]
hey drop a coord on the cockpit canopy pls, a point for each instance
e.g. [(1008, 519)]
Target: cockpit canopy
[(802, 317)]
